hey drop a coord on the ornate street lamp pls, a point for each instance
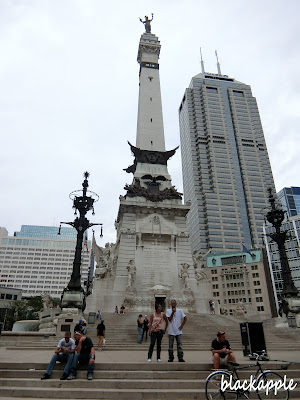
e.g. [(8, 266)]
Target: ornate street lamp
[(276, 216), (83, 201)]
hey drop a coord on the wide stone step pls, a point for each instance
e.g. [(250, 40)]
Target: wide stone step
[(89, 393), (106, 384), (121, 381), (86, 392), (133, 375)]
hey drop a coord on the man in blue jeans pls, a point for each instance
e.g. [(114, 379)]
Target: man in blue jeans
[(177, 320), (64, 353), (84, 353)]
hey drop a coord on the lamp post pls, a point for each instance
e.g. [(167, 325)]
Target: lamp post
[(73, 295), (275, 216)]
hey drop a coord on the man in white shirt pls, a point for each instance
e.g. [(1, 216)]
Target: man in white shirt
[(64, 353), (177, 320)]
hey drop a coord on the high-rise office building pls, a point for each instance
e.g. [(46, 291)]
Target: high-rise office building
[(226, 168), (40, 265), (290, 200)]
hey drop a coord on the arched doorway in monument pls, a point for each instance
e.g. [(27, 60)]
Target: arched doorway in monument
[(161, 299)]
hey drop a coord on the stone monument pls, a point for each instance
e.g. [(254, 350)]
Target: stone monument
[(152, 260)]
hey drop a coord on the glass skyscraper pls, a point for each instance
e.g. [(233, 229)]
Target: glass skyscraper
[(226, 168), (47, 232), (290, 200)]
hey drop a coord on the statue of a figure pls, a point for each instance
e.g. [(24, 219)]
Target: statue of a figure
[(47, 302), (104, 258), (199, 259), (131, 268), (184, 275), (147, 23), (200, 275)]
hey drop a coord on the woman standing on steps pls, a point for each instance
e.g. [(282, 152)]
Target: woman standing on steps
[(157, 326)]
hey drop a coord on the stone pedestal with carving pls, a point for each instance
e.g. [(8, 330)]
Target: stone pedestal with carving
[(48, 320), (154, 238), (72, 299), (67, 320), (130, 299)]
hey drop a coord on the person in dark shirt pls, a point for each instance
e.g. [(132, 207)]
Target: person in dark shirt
[(140, 328), (122, 309), (220, 348), (100, 334), (78, 327), (84, 353), (145, 327)]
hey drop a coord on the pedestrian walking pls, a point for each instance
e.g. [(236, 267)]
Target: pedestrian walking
[(100, 334)]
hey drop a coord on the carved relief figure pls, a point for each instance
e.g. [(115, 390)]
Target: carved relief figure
[(131, 268), (184, 275), (199, 266), (200, 274)]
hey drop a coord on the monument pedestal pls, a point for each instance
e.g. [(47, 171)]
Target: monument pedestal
[(67, 320), (73, 299), (130, 299)]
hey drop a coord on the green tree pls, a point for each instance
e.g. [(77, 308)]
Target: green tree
[(36, 303), (23, 309)]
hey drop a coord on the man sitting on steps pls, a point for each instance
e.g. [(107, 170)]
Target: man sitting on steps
[(64, 353), (220, 348), (84, 353)]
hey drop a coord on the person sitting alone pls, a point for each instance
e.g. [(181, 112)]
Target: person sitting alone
[(221, 349), (122, 309), (116, 310), (64, 353)]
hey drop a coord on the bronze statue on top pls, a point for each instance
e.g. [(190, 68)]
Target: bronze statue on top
[(147, 23)]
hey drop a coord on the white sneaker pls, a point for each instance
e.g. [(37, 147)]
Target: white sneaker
[(159, 360), (149, 359)]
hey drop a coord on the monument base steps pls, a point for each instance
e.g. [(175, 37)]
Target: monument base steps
[(124, 381)]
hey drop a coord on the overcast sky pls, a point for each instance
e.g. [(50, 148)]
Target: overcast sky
[(69, 92)]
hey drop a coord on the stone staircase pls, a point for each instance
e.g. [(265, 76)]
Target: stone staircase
[(124, 381), (121, 334), (133, 380)]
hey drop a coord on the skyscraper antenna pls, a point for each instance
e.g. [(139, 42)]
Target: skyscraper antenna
[(218, 64), (202, 62)]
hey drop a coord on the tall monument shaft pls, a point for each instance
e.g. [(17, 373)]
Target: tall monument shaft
[(150, 129)]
